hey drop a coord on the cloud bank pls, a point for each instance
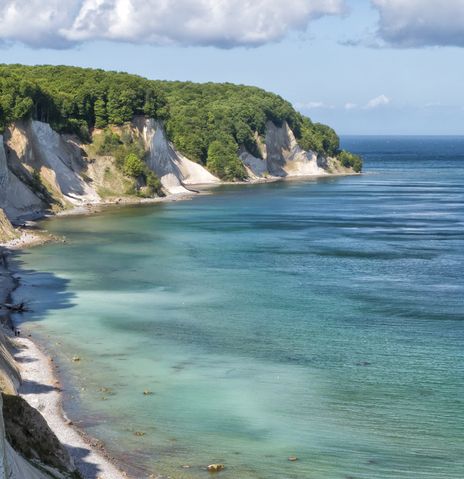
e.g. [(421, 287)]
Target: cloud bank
[(218, 23), (421, 23)]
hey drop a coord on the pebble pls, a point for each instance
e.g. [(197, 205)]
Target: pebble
[(215, 467)]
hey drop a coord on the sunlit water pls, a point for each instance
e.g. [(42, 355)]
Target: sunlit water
[(318, 319)]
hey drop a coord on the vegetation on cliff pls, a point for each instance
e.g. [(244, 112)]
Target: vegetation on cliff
[(129, 155), (76, 99), (202, 120), (350, 160)]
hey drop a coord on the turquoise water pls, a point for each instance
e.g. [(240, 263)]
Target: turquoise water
[(319, 319)]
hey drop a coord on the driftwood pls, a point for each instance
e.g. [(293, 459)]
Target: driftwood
[(16, 308)]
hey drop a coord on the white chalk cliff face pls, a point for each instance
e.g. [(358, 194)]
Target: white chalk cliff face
[(282, 156), (174, 170), (16, 199), (60, 160), (35, 146), (41, 169)]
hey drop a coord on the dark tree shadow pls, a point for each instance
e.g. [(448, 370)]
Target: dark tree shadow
[(33, 387), (58, 295), (86, 468), (25, 360)]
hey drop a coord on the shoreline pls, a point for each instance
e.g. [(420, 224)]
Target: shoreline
[(30, 236), (41, 388), (40, 385)]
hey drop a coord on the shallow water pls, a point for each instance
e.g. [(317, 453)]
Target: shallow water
[(321, 319)]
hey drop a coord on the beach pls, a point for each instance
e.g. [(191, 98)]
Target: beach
[(41, 388)]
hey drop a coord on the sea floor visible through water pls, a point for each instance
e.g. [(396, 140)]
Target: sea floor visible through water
[(318, 319)]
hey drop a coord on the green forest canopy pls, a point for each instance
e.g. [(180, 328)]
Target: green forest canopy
[(197, 116)]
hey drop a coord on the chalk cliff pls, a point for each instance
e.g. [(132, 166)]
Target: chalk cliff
[(42, 170), (175, 171)]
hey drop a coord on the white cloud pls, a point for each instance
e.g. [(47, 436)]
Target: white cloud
[(350, 106), (36, 22), (314, 104), (381, 100), (418, 23), (220, 23)]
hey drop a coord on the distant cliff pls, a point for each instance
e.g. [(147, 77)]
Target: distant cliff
[(43, 170), (71, 136)]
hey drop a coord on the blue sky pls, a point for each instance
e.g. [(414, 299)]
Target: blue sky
[(362, 66)]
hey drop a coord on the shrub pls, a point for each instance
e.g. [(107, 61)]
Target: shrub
[(350, 160), (154, 183), (133, 166), (107, 143)]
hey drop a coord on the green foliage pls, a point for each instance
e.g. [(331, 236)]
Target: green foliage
[(101, 116), (223, 161), (317, 137), (107, 143), (133, 166), (70, 96), (203, 113), (136, 168), (329, 139), (206, 122), (153, 183), (350, 160)]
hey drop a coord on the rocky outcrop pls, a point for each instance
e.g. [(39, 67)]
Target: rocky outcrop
[(281, 156), (30, 436), (175, 171), (16, 198), (60, 164), (13, 465), (44, 170)]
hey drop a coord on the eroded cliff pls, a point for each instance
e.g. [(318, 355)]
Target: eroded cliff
[(42, 170)]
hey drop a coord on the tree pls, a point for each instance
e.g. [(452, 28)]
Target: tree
[(350, 160), (101, 116), (196, 115), (133, 166), (223, 160)]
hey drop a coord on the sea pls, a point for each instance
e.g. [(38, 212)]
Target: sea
[(320, 320)]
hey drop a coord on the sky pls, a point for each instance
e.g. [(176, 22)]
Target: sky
[(361, 66)]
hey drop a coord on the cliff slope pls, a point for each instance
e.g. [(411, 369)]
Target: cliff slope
[(42, 170)]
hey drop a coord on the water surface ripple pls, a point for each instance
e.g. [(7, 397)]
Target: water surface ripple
[(321, 319)]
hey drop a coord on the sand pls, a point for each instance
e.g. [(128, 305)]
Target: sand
[(41, 389)]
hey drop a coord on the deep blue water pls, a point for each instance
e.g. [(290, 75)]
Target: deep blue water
[(322, 319)]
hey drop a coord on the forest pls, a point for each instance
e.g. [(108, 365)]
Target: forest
[(207, 122)]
